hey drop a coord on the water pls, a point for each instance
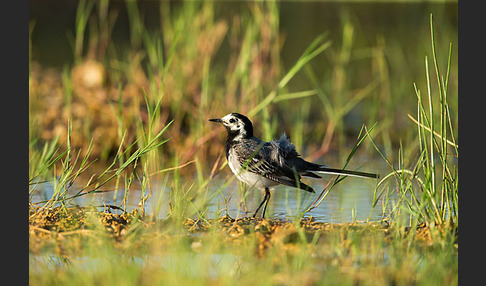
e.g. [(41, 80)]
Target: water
[(172, 262), (349, 201)]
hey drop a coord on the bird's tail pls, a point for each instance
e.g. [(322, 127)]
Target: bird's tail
[(331, 171)]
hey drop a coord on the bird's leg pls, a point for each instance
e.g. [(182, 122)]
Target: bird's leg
[(266, 198), (261, 204)]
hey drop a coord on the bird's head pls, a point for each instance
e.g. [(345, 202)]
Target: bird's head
[(237, 125)]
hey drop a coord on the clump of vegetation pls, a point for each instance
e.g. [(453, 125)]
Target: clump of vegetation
[(429, 189)]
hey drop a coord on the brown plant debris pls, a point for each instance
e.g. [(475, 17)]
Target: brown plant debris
[(61, 228)]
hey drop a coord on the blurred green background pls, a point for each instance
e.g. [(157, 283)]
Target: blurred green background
[(104, 64)]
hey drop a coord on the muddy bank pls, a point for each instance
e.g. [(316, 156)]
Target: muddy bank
[(68, 230)]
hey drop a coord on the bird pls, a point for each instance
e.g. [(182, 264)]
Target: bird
[(264, 165)]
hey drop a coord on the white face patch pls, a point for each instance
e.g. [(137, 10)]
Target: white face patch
[(226, 117), (234, 124)]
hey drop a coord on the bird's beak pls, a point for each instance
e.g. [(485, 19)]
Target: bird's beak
[(216, 120)]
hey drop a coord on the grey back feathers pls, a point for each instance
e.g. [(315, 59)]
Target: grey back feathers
[(275, 160)]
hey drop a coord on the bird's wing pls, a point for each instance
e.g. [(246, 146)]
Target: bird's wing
[(266, 161)]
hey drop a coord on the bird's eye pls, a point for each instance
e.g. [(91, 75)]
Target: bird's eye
[(232, 120)]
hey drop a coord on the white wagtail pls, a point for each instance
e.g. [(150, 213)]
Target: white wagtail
[(263, 164)]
